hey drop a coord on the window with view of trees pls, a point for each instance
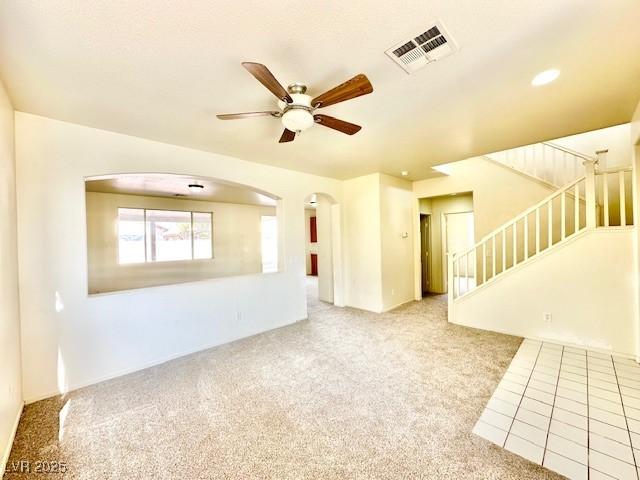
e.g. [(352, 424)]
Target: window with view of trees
[(163, 235)]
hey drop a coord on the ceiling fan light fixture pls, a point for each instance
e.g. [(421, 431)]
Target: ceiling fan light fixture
[(297, 108), (297, 119)]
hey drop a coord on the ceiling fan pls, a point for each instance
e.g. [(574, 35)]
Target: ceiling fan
[(297, 109)]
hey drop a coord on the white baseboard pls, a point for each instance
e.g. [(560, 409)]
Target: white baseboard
[(605, 351), (7, 453), (393, 307)]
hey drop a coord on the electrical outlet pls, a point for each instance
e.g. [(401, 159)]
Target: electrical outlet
[(546, 317)]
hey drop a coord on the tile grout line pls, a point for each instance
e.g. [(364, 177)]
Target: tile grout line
[(606, 395), (558, 421), (566, 438), (633, 453), (518, 407), (525, 389), (555, 407), (568, 411), (544, 452)]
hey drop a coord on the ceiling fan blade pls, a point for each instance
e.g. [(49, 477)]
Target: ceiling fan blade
[(340, 125), (287, 136), (355, 87), (236, 116), (266, 78)]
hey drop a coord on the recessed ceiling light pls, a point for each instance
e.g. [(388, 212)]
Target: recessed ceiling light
[(195, 187), (545, 77), (404, 173)]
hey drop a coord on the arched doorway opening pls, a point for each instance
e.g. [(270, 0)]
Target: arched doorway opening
[(323, 251)]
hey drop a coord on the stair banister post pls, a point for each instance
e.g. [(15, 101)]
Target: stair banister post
[(590, 192), (601, 158)]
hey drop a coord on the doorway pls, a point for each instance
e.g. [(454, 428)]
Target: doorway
[(446, 226), (322, 249), (425, 249)]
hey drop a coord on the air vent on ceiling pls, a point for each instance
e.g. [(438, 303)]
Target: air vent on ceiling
[(428, 45)]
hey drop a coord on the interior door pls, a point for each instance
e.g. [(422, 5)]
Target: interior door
[(313, 230), (425, 236)]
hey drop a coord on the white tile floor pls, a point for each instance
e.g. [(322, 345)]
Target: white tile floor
[(573, 411)]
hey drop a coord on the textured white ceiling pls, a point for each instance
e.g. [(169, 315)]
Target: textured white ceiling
[(163, 69)]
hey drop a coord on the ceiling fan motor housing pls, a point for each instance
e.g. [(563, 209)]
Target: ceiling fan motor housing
[(297, 116), (296, 108)]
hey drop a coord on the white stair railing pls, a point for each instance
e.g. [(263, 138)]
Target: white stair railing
[(614, 196), (600, 199), (545, 161)]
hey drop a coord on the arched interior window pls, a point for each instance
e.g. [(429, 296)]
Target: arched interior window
[(158, 229)]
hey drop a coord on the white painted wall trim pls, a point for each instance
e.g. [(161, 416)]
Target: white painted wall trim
[(417, 250), (336, 251), (7, 452)]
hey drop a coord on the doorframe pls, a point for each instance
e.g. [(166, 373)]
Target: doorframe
[(333, 241), (635, 162), (425, 244)]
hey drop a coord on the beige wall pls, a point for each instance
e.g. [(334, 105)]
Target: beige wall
[(635, 126), (396, 232), (362, 245), (378, 247), (10, 370), (438, 207), (236, 243), (325, 248), (615, 139), (82, 339), (586, 284), (459, 232), (635, 148), (498, 192)]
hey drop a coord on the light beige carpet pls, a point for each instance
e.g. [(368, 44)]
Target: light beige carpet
[(346, 394)]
